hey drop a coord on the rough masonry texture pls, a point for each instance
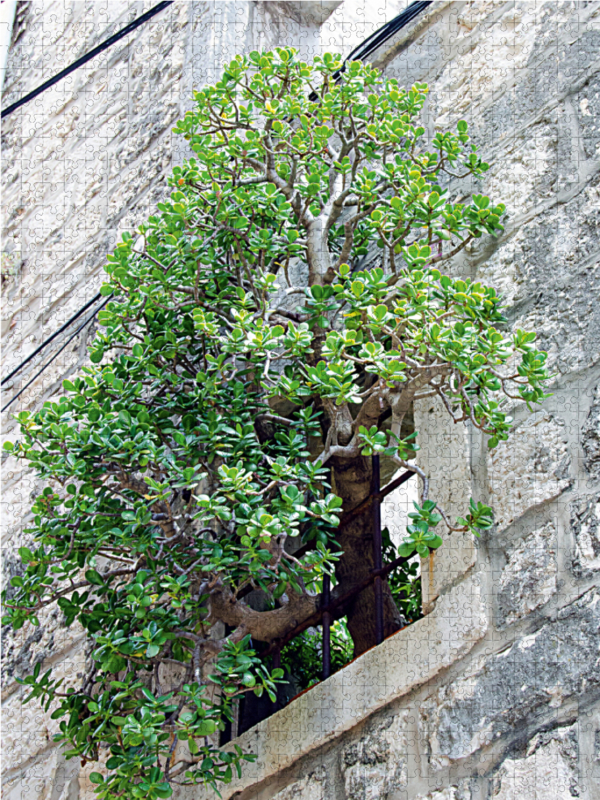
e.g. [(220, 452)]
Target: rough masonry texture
[(495, 693)]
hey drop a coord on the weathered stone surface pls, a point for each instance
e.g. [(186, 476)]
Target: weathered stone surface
[(44, 644), (376, 765), (557, 303), (590, 437), (548, 770), (585, 525), (528, 580), (51, 777), (397, 506), (444, 454), (315, 786), (449, 793), (403, 662), (531, 469), (445, 457), (476, 40), (79, 158), (535, 674), (562, 47), (535, 122), (28, 730)]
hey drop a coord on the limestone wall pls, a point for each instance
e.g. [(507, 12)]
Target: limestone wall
[(495, 693)]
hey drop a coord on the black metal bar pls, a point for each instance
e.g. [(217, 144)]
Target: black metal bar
[(326, 623), (352, 514), (366, 504), (377, 556), (335, 605)]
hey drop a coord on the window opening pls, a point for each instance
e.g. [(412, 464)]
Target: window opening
[(322, 645)]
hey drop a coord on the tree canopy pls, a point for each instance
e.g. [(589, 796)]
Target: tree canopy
[(268, 329)]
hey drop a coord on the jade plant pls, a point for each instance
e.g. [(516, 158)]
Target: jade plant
[(268, 330)]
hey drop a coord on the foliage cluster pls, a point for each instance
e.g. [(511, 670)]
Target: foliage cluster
[(225, 383), (302, 658)]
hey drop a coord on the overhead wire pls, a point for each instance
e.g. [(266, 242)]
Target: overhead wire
[(50, 338), (87, 57), (378, 37), (136, 23), (381, 35), (55, 356)]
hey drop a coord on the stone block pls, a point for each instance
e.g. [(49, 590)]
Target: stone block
[(50, 642), (590, 437), (502, 692), (474, 42), (51, 777), (548, 769), (528, 580), (445, 458), (315, 786), (376, 765), (396, 507), (28, 730), (585, 527), (529, 469), (448, 793)]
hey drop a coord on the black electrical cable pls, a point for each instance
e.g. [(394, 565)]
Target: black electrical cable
[(378, 37), (91, 302), (386, 31), (84, 59), (75, 65), (359, 53), (58, 352)]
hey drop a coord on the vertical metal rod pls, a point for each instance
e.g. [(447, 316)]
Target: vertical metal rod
[(326, 623), (326, 618), (377, 547)]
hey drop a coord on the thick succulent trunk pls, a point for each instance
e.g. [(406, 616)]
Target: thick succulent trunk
[(352, 483)]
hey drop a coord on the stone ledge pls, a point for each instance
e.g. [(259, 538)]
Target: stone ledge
[(403, 662)]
